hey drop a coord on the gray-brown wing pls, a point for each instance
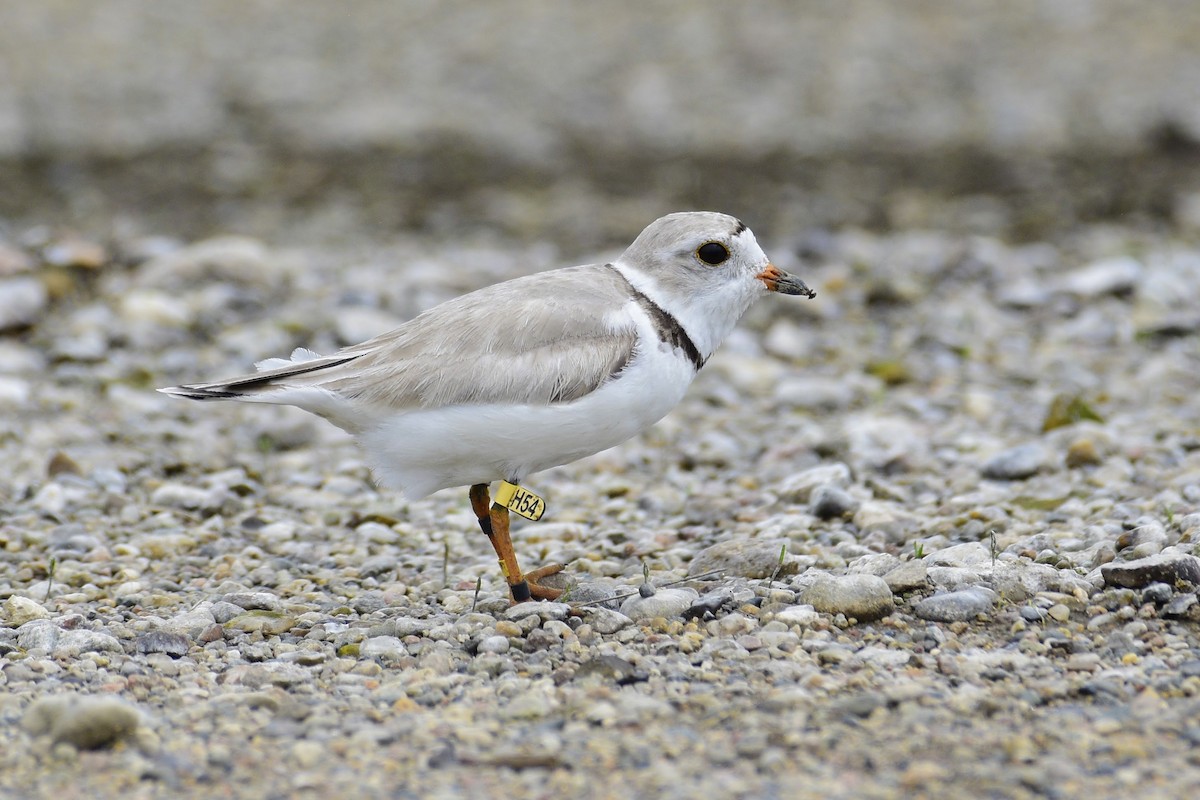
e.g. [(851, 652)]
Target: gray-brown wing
[(546, 338)]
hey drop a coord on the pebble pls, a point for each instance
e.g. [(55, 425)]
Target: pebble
[(23, 299), (960, 606), (1107, 276), (175, 495), (87, 723), (608, 668), (832, 502), (40, 634), (605, 621), (862, 597), (745, 558), (254, 601), (802, 615), (268, 623), (173, 644), (1157, 593), (908, 576), (14, 392), (798, 488), (385, 647), (19, 610), (192, 623), (884, 519), (1180, 606), (1169, 569), (1014, 464), (665, 603), (1059, 612), (492, 644), (543, 611)]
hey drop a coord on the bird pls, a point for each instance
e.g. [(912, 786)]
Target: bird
[(530, 373)]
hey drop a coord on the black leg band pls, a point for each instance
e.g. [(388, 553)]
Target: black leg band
[(520, 591), (485, 523)]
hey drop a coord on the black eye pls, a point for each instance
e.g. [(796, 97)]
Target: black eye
[(712, 253)]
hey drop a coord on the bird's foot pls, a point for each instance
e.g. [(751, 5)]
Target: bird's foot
[(538, 591)]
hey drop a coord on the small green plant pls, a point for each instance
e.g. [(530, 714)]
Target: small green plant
[(918, 550), (993, 547), (478, 586), (779, 566)]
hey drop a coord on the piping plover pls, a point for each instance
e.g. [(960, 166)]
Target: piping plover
[(530, 373)]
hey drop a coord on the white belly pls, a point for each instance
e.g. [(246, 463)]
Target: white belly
[(419, 452)]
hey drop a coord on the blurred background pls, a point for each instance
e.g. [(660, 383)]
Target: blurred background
[(581, 122)]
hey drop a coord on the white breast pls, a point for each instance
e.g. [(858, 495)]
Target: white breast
[(422, 451)]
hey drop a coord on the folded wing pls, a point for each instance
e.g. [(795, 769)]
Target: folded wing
[(547, 338)]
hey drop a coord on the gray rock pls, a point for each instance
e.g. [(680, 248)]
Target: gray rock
[(254, 601), (873, 564), (1032, 614), (804, 616), (411, 626), (886, 519), (544, 611), (953, 578), (376, 566), (1157, 593), (191, 498), (490, 644), (745, 558), (19, 610), (831, 502), (594, 593), (1169, 569), (41, 634), (369, 602), (1017, 582), (192, 623), (23, 298), (605, 621), (862, 597), (1107, 276), (799, 487), (268, 623), (173, 644), (967, 554), (816, 392), (88, 723), (1180, 605), (386, 647), (222, 612), (71, 643), (665, 603), (609, 668), (710, 603), (1016, 463), (907, 577), (960, 606)]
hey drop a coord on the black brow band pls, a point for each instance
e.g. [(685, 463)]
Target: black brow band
[(665, 325)]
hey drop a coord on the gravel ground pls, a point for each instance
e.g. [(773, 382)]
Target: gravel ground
[(931, 534)]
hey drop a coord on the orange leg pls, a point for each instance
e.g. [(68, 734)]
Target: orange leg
[(493, 519)]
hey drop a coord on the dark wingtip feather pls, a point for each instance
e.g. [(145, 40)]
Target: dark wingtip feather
[(199, 393)]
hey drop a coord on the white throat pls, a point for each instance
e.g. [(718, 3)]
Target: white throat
[(706, 317)]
